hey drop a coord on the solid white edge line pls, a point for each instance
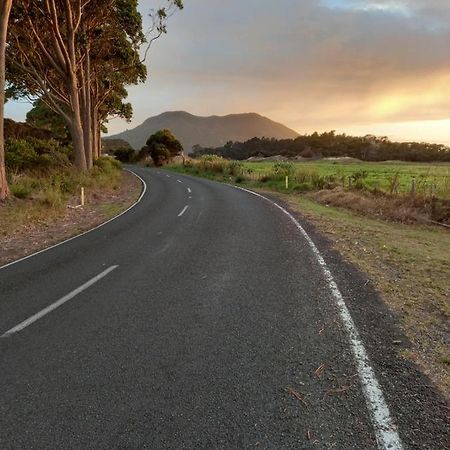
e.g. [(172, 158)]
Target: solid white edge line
[(58, 303), (144, 190), (386, 432), (183, 210)]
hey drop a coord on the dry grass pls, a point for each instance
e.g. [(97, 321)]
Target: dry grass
[(405, 209), (28, 225), (409, 265)]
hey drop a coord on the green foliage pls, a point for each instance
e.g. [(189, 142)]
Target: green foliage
[(35, 154), (107, 164), (52, 196), (283, 168), (125, 155), (41, 116), (302, 187), (330, 144), (161, 146), (19, 155), (21, 190)]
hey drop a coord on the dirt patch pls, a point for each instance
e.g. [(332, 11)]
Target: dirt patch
[(56, 225)]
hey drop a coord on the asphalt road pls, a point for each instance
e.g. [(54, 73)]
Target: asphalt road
[(197, 320)]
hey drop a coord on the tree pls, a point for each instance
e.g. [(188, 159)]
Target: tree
[(5, 10), (162, 147), (41, 116), (78, 56), (44, 59)]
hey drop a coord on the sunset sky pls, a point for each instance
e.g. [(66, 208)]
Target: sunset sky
[(356, 66)]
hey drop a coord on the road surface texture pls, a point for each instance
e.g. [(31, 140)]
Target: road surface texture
[(202, 319)]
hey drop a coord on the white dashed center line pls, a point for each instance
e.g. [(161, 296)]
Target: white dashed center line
[(183, 210)]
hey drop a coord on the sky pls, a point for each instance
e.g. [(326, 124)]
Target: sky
[(357, 66)]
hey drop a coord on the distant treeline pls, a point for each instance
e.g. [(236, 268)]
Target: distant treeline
[(330, 144)]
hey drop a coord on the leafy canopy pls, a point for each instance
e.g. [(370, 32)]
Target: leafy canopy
[(162, 146)]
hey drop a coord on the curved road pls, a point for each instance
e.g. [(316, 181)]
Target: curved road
[(200, 319)]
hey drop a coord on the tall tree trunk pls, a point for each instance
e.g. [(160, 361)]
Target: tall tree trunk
[(5, 9), (87, 108), (76, 127), (99, 140), (96, 142)]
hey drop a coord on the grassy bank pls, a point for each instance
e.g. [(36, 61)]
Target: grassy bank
[(39, 196), (391, 177), (44, 206), (408, 263), (413, 194)]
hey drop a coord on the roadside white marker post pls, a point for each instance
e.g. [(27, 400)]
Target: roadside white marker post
[(82, 196), (287, 182)]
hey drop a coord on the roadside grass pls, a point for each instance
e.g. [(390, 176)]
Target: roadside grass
[(427, 199), (110, 209), (384, 176), (409, 265), (38, 197)]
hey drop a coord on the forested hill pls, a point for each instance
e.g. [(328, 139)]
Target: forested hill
[(367, 148), (212, 131)]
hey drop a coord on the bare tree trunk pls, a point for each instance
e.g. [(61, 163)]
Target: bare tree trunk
[(76, 127), (5, 9), (87, 108), (73, 88), (96, 140), (99, 140)]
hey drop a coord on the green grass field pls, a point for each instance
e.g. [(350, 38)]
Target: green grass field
[(377, 175)]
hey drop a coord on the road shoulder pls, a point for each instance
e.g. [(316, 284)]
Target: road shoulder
[(419, 407)]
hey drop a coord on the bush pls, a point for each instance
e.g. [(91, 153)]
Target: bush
[(21, 190), (125, 155), (236, 168), (20, 155), (284, 168), (31, 154), (107, 164), (213, 163), (52, 196)]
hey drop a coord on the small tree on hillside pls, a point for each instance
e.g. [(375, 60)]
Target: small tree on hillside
[(162, 147)]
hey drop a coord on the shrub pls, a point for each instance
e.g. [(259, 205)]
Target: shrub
[(52, 196), (107, 164), (20, 155), (284, 168), (31, 154), (125, 155), (236, 168), (213, 163), (21, 190)]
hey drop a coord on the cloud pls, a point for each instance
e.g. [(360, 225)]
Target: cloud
[(312, 64)]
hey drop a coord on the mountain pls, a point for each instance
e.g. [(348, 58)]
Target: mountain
[(213, 131)]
